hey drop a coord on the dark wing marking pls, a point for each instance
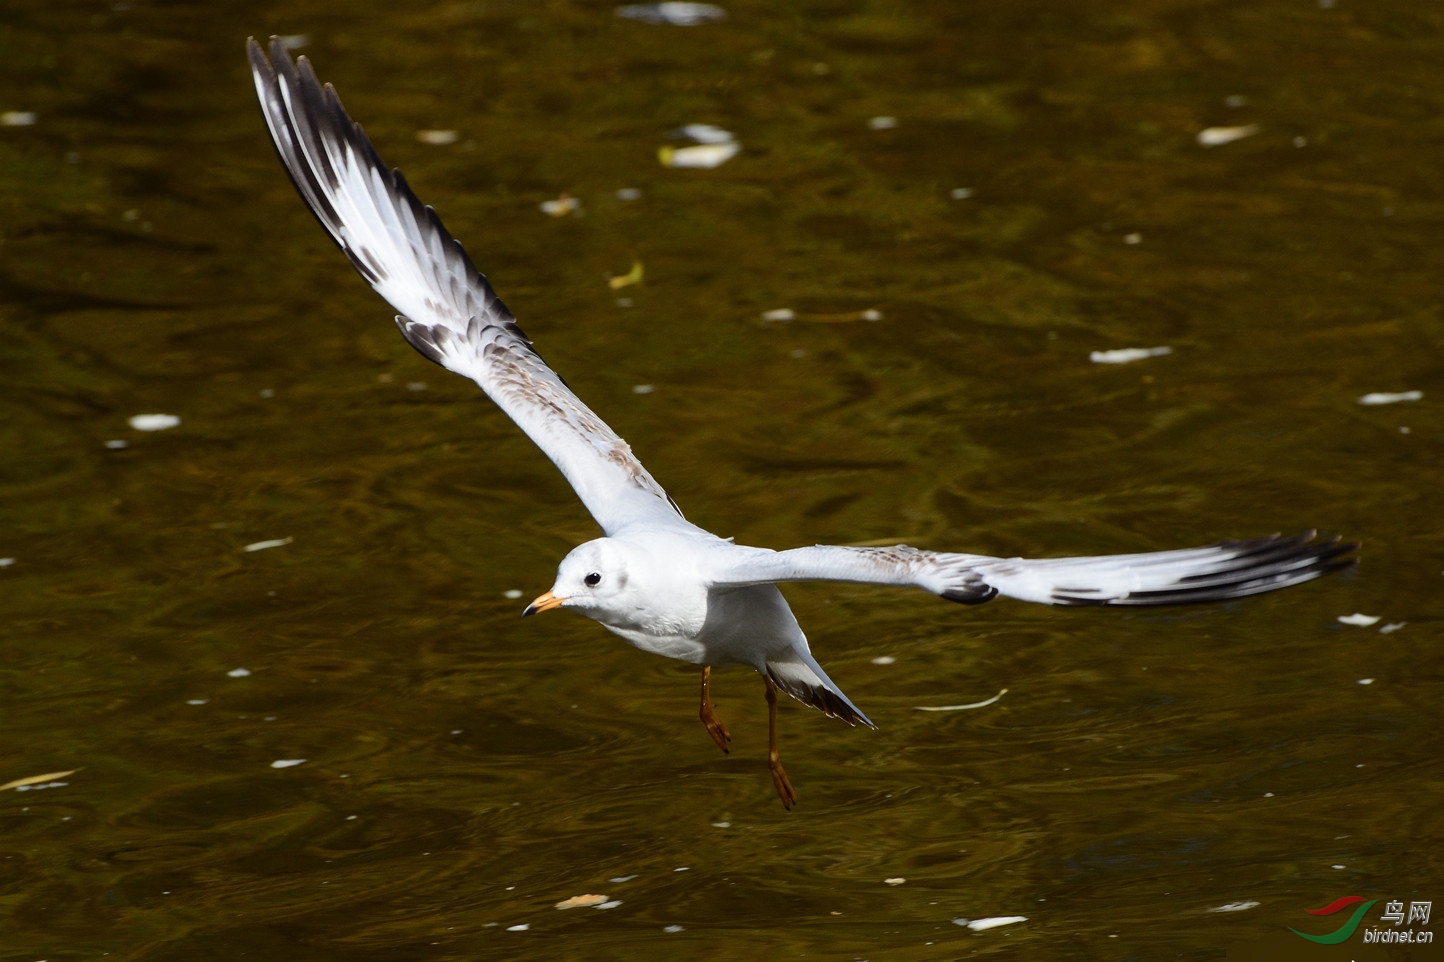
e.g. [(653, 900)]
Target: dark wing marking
[(449, 312)]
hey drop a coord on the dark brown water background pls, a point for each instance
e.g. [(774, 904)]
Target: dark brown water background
[(1042, 195)]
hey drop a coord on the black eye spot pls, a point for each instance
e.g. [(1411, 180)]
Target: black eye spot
[(593, 579)]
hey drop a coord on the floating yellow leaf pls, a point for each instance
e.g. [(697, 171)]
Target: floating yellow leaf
[(581, 901), (634, 276), (37, 779)]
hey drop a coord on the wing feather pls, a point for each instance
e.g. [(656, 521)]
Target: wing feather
[(1231, 569), (448, 311)]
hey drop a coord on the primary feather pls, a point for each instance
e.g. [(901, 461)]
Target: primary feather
[(448, 311)]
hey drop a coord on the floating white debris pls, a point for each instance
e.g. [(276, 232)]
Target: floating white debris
[(1363, 621), (1366, 681), (438, 138), (1218, 136), (1392, 627), (117, 445), (562, 206), (20, 784), (6, 562), (898, 880), (1235, 101), (699, 156), (977, 704), (263, 545), (788, 314), (1133, 239), (18, 118), (296, 41), (629, 193), (40, 787), (674, 14), (512, 593), (287, 762), (154, 422), (884, 660), (581, 901), (518, 928), (643, 388), (721, 824), (620, 879), (1383, 397), (707, 134), (197, 701), (979, 925), (239, 672), (1236, 906), (1125, 355), (671, 928), (960, 193), (610, 904), (882, 123)]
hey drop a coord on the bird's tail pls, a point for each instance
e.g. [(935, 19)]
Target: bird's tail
[(799, 674)]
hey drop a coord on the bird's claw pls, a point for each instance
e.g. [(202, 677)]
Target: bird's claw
[(714, 727), (781, 783)]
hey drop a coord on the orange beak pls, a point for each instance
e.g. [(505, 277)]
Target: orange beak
[(543, 603)]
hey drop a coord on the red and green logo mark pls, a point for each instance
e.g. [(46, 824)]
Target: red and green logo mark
[(1344, 931)]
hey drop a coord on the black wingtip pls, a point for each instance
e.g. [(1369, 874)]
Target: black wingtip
[(1247, 567)]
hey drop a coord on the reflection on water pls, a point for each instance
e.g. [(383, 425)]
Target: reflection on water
[(1041, 195)]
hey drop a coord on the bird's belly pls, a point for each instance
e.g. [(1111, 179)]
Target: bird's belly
[(669, 646), (742, 626)]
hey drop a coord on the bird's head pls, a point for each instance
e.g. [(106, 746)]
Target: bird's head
[(601, 579)]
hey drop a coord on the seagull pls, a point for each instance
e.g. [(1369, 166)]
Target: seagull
[(655, 579)]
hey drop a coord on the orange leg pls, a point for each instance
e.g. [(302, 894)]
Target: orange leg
[(708, 714), (774, 761)]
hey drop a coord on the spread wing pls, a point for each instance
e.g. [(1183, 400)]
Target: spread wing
[(448, 310), (1218, 572)]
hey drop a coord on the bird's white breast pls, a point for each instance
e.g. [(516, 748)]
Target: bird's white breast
[(676, 646)]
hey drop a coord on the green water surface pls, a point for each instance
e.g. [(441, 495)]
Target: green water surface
[(1040, 195)]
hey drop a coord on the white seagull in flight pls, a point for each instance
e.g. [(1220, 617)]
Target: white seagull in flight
[(662, 583)]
